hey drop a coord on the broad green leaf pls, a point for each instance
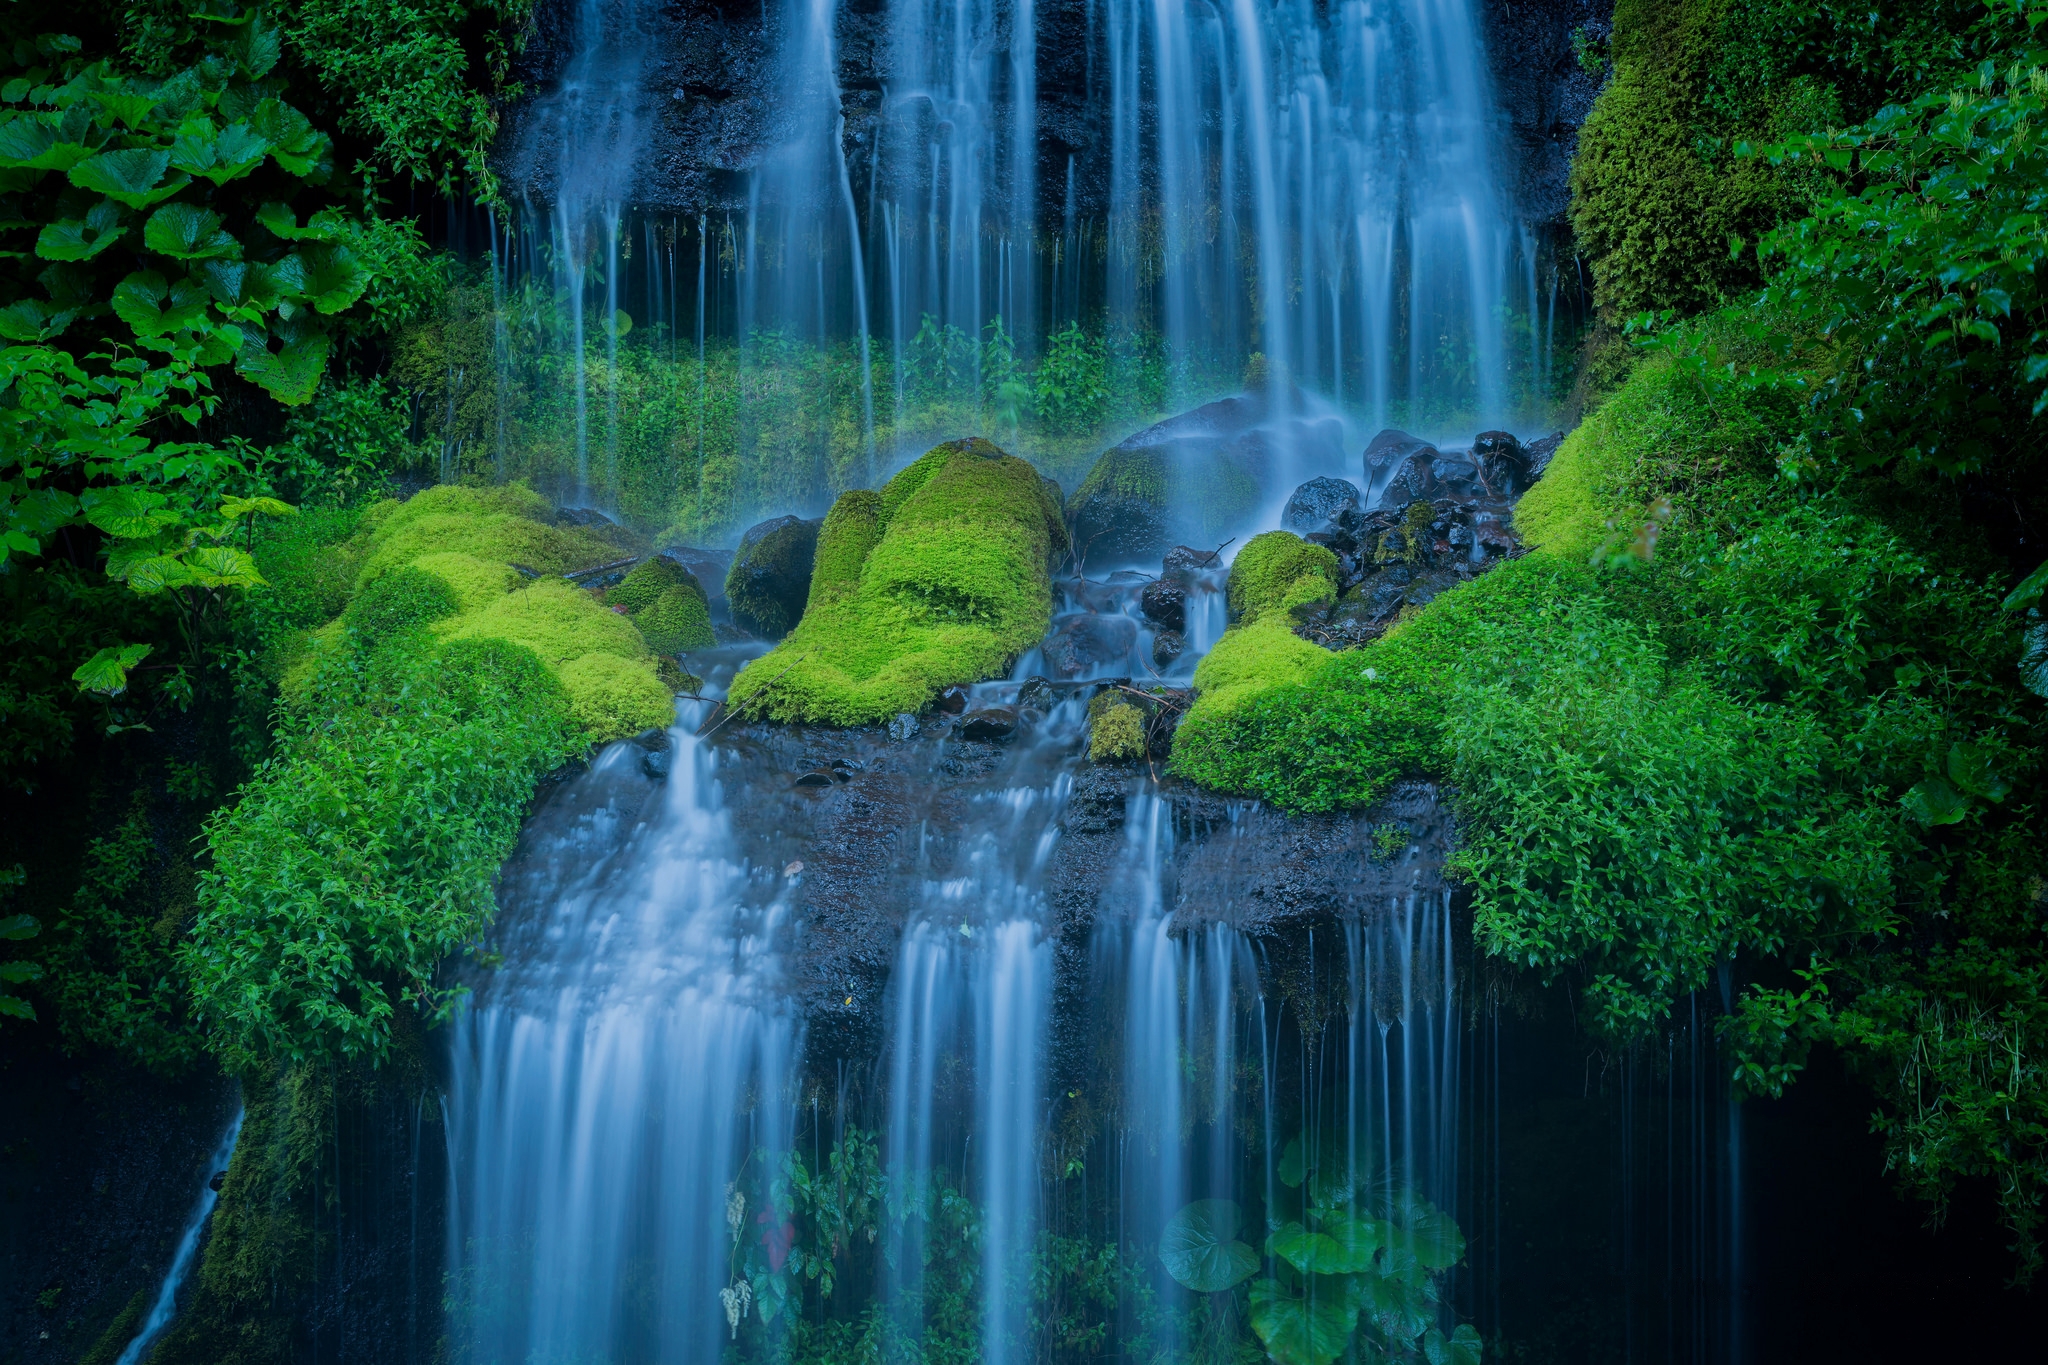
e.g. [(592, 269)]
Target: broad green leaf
[(218, 156), (42, 142), (1974, 768), (1312, 1253), (289, 375), (1430, 1235), (1356, 1239), (126, 103), (293, 142), (154, 306), (1935, 802), (189, 233), (2034, 660), (1200, 1250), (16, 927), (1400, 1309), (16, 1007), (107, 671), (282, 222), (2030, 590), (70, 239), (127, 512), (1306, 1326), (221, 566), (149, 574), (333, 277), (256, 47), (232, 508), (125, 557), (1462, 1348), (134, 176), (16, 973), (33, 320), (263, 284)]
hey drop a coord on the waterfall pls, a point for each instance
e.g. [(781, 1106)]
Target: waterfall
[(612, 1076), (165, 1306)]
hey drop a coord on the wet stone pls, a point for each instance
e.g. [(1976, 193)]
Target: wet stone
[(903, 727), (1317, 506), (953, 700), (1502, 466), (989, 723), (1165, 603), (1037, 691), (1080, 644), (658, 763), (1183, 562), (1167, 646), (819, 777)]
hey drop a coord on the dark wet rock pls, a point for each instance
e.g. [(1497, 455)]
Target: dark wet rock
[(658, 763), (1538, 454), (953, 700), (1082, 643), (1198, 475), (708, 567), (1317, 505), (1414, 478), (770, 577), (1183, 562), (1165, 604), (582, 516), (903, 727), (218, 1179), (993, 723), (817, 777), (1036, 691), (1167, 646), (1455, 471), (1503, 468)]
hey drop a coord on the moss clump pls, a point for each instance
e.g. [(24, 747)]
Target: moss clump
[(613, 696), (498, 525), (1280, 570), (475, 582), (649, 579), (1116, 729), (953, 583), (556, 620), (770, 577), (399, 600), (676, 621)]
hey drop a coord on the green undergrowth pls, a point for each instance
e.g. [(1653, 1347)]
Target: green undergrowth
[(1719, 715), (942, 578)]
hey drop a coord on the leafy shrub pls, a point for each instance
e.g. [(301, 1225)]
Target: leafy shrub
[(364, 852), (1072, 389)]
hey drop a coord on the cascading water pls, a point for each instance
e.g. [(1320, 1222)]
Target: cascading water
[(613, 1075), (165, 1305)]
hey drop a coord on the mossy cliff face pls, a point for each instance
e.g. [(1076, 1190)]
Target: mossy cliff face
[(942, 577)]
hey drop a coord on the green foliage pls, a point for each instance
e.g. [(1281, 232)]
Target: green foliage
[(1072, 382), (677, 621), (397, 601), (364, 852), (956, 585), (1200, 1249), (1116, 729)]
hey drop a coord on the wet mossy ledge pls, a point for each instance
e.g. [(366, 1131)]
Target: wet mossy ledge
[(453, 667), (941, 577)]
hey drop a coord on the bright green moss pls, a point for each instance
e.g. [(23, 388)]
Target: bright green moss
[(1138, 474), (1280, 570), (957, 585), (676, 621), (557, 621), (649, 579), (1116, 729), (611, 697), (500, 525), (852, 530), (475, 582), (399, 600)]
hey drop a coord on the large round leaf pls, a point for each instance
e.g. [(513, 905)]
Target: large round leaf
[(1200, 1250), (1401, 1309), (1463, 1346), (1310, 1325), (1355, 1239), (1314, 1253), (1431, 1236)]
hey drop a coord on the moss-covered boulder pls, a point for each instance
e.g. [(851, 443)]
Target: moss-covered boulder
[(668, 604), (770, 577), (445, 560), (942, 577)]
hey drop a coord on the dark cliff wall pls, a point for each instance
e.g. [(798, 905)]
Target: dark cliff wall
[(711, 97)]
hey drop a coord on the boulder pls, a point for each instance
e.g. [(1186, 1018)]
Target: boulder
[(1318, 504), (1167, 646), (994, 723), (708, 567), (1503, 468), (1037, 691), (1083, 644), (1183, 562), (1165, 604), (1538, 454), (770, 578), (1400, 468), (903, 727)]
